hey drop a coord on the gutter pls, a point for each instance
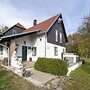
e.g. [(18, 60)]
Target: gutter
[(8, 52), (19, 34)]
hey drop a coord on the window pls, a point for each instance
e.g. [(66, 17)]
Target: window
[(1, 50), (55, 51), (14, 32), (60, 37), (56, 35), (59, 20), (34, 51)]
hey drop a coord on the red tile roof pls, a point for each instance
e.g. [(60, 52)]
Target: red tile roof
[(19, 25), (43, 26)]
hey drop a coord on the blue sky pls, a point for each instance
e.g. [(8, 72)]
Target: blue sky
[(25, 11)]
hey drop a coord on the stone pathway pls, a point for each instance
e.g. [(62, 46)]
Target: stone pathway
[(39, 78), (28, 64)]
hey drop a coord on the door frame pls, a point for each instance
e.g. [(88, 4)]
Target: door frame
[(24, 53)]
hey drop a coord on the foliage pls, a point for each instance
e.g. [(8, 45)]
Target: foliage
[(72, 45), (53, 66), (84, 47), (85, 26), (4, 28), (79, 42), (80, 78)]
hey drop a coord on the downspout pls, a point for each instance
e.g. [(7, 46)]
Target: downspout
[(45, 44), (8, 51)]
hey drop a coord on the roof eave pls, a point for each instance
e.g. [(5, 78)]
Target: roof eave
[(20, 34)]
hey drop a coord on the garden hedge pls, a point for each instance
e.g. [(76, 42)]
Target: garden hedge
[(53, 66)]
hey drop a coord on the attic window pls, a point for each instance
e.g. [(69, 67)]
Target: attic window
[(60, 35), (14, 32), (56, 35), (59, 20)]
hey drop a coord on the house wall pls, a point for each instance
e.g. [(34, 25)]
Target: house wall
[(10, 31), (51, 35), (38, 41), (50, 51), (4, 53), (32, 40), (51, 40)]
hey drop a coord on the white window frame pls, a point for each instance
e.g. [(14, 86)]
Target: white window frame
[(56, 51), (60, 36), (14, 32), (34, 51), (56, 35)]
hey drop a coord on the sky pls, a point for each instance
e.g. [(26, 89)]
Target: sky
[(25, 11)]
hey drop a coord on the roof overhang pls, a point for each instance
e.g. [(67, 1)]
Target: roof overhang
[(6, 38)]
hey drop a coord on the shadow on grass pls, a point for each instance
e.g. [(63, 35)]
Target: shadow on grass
[(86, 67)]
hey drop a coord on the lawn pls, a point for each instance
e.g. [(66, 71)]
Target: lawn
[(80, 78), (10, 81)]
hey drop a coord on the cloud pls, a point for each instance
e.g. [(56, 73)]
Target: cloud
[(25, 11), (10, 15)]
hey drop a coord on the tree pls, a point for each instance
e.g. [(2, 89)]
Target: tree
[(85, 26), (4, 28), (72, 45), (84, 46), (79, 42)]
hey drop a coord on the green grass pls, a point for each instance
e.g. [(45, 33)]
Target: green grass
[(80, 78), (10, 81)]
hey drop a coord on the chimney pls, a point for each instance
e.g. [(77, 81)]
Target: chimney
[(34, 22)]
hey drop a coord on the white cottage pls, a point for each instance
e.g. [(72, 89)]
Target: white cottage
[(46, 39)]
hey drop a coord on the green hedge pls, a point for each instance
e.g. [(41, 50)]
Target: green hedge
[(53, 66)]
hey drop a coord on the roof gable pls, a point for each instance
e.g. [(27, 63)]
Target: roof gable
[(44, 26), (19, 25)]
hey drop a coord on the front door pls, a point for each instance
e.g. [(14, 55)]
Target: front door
[(24, 53)]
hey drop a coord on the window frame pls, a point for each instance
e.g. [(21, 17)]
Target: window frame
[(14, 31), (1, 50), (34, 51), (56, 35), (55, 51), (60, 37)]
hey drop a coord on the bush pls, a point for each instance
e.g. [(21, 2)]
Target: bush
[(53, 66)]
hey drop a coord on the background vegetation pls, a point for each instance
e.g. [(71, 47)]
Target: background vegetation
[(79, 42)]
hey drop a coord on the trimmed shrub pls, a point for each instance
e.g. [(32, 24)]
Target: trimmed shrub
[(53, 66)]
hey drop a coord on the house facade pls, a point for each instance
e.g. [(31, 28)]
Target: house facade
[(46, 39), (5, 45)]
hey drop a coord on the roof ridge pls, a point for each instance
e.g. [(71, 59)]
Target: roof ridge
[(44, 21), (44, 25)]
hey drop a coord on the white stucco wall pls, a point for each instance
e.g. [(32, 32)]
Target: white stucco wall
[(50, 50), (38, 41), (20, 42), (72, 68), (32, 41)]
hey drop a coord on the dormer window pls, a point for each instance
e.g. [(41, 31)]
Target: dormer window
[(14, 32), (60, 35), (56, 35)]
